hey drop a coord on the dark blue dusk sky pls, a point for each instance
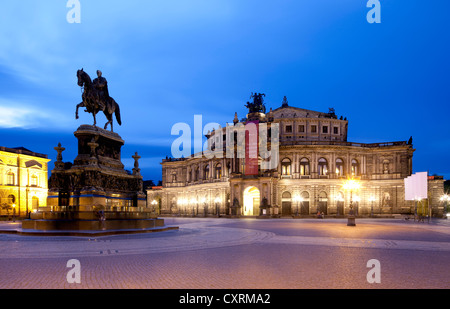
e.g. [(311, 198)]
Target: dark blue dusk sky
[(168, 60)]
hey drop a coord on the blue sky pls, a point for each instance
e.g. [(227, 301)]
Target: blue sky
[(168, 60)]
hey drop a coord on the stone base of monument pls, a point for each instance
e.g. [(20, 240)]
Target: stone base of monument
[(94, 195), (87, 223), (91, 225)]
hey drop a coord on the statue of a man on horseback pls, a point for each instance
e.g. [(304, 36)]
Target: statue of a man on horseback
[(96, 98), (101, 85)]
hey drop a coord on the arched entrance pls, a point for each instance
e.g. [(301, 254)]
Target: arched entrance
[(252, 200), (286, 204), (304, 203), (323, 203)]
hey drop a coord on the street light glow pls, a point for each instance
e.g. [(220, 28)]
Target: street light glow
[(298, 198), (351, 184)]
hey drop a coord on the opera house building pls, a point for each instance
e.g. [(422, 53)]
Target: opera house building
[(315, 160)]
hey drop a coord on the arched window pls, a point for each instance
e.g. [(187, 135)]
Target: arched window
[(286, 195), (218, 174), (197, 174), (206, 172), (10, 179), (355, 168), (304, 167), (323, 167), (34, 181), (286, 167), (339, 167)]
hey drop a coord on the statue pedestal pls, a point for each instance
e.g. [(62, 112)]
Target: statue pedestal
[(95, 186)]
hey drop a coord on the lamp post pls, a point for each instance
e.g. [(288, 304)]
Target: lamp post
[(338, 199), (371, 200), (357, 199), (14, 212), (416, 201), (193, 203), (351, 185), (445, 198), (217, 201), (203, 202), (154, 202), (298, 199)]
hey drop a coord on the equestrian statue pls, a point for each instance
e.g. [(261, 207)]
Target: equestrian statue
[(96, 98)]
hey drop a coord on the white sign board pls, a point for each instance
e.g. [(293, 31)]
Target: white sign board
[(416, 186)]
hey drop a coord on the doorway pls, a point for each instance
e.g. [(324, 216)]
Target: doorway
[(252, 200), (286, 204)]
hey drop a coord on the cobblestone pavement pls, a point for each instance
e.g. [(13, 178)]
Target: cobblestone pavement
[(211, 253)]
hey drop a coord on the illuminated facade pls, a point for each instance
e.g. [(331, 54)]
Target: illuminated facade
[(23, 181), (315, 159)]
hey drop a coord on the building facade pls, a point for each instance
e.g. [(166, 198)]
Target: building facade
[(314, 162), (23, 181)]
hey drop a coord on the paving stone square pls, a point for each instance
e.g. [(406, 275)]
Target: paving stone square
[(222, 253)]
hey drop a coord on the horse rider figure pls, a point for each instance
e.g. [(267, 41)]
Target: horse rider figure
[(101, 85)]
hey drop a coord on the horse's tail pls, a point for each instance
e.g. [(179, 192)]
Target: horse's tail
[(117, 112)]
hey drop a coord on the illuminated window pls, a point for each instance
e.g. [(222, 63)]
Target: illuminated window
[(218, 171), (10, 179), (339, 167), (323, 167), (286, 167), (355, 168), (304, 167)]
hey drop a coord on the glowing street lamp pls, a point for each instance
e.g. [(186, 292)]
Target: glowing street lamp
[(298, 199), (445, 198), (351, 185), (154, 202), (14, 212)]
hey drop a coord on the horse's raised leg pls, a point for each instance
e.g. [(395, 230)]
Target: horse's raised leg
[(95, 120), (78, 106)]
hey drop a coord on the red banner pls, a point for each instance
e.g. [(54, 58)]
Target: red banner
[(251, 147)]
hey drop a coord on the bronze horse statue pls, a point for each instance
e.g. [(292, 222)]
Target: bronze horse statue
[(94, 102)]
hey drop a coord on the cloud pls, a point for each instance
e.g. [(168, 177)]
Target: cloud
[(14, 114)]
